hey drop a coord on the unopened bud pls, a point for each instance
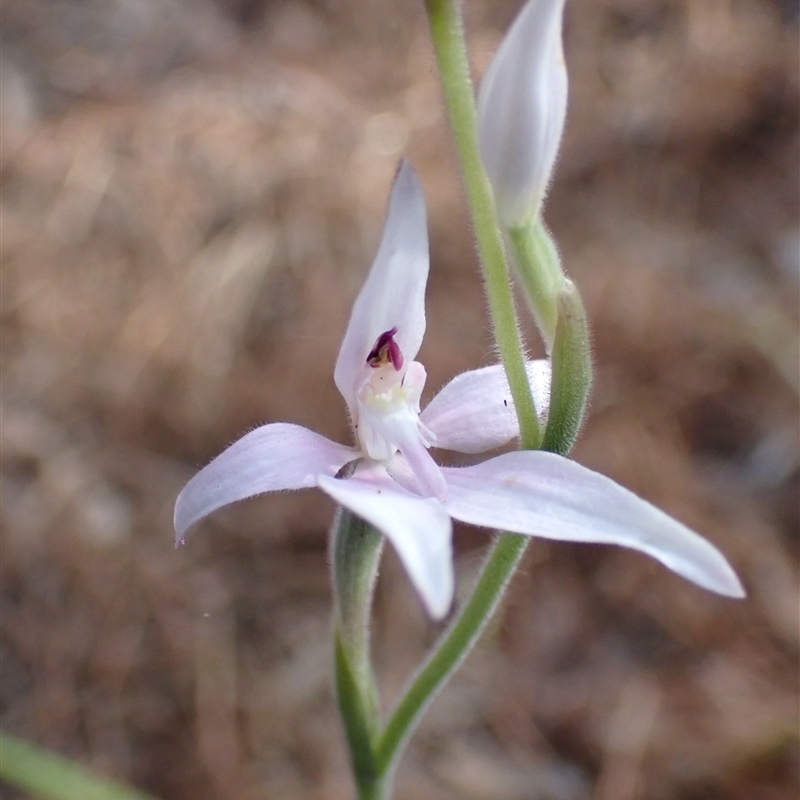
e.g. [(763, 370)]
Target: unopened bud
[(522, 106)]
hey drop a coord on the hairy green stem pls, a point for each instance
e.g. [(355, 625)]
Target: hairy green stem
[(356, 550), (451, 649), (359, 724), (449, 46), (355, 553), (451, 56), (375, 754)]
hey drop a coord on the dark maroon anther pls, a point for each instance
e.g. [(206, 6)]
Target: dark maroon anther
[(386, 350)]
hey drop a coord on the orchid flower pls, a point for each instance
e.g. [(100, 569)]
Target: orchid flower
[(522, 107), (395, 484)]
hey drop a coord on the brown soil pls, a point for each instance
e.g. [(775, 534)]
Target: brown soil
[(192, 193)]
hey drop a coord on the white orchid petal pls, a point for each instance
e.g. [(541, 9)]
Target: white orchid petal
[(418, 528), (400, 471), (522, 106), (270, 458), (401, 428), (475, 413), (542, 494), (428, 474), (394, 293)]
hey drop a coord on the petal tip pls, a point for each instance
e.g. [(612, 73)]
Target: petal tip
[(407, 191), (437, 595), (722, 580), (725, 581), (405, 171), (180, 523), (180, 532), (734, 588), (438, 598), (439, 611)]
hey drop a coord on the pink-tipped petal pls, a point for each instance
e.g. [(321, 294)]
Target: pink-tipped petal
[(542, 494), (393, 296), (474, 412), (418, 528), (270, 458)]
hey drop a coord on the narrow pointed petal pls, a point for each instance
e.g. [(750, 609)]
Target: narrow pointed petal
[(418, 528), (522, 107), (474, 412), (270, 458), (542, 494), (428, 474), (394, 293)]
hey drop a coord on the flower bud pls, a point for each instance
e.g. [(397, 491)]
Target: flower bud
[(522, 106)]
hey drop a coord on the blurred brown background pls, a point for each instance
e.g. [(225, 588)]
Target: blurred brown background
[(192, 194)]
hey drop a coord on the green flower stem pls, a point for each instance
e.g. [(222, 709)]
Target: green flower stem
[(455, 644), (48, 776), (451, 649), (539, 271), (559, 313), (359, 723), (451, 54), (355, 553)]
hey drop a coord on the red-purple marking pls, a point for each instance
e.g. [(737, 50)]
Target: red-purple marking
[(386, 350)]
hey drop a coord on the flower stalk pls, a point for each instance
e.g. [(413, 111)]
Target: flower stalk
[(451, 56), (558, 310), (356, 549)]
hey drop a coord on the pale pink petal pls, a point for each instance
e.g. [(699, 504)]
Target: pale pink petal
[(418, 528), (394, 293), (542, 494), (270, 458), (400, 471), (474, 412)]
